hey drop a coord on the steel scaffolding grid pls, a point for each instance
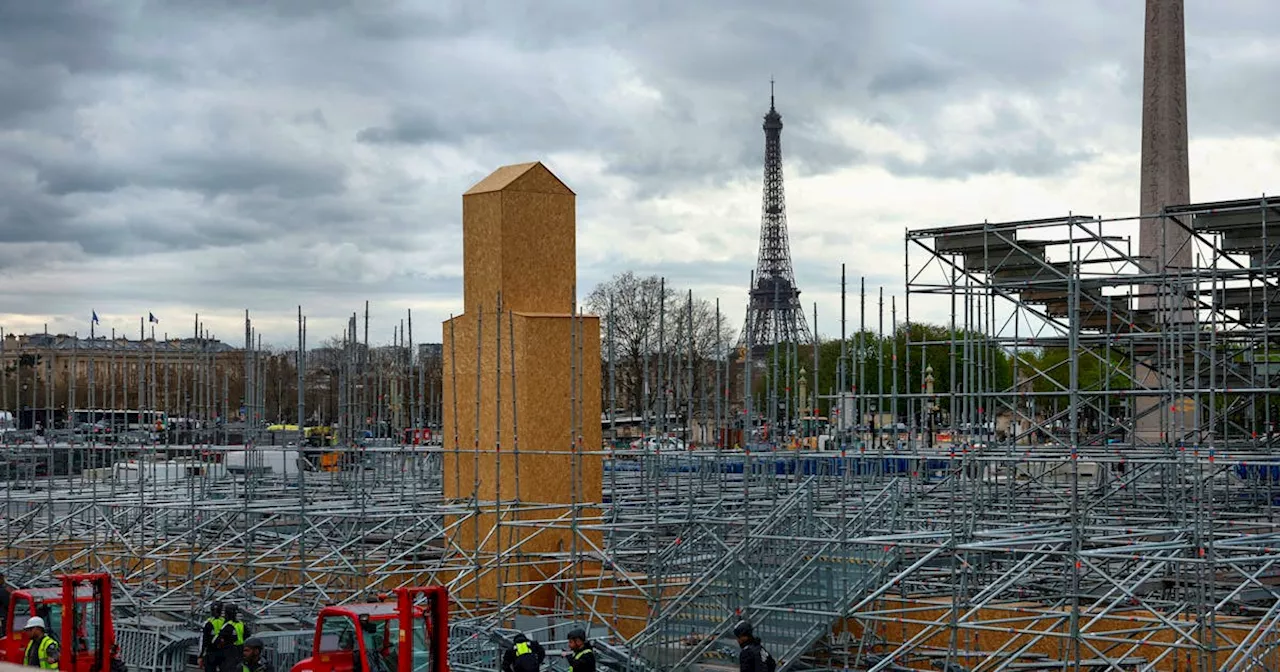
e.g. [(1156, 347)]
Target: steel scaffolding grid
[(1114, 507), (1123, 520)]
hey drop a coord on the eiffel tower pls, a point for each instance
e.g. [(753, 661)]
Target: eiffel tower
[(774, 314)]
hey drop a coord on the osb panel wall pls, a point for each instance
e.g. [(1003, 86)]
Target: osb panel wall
[(526, 418), (539, 259), (559, 404), (521, 386), (520, 241), (624, 606), (539, 403), (481, 250), (1011, 627), (218, 574)]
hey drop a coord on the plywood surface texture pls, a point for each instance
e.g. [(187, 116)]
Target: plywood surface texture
[(523, 440), (1015, 627), (518, 240), (521, 382)]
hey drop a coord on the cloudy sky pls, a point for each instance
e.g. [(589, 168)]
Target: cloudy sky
[(194, 156)]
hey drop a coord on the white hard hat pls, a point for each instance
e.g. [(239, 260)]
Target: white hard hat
[(34, 622)]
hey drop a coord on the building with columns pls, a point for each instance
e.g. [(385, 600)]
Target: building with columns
[(180, 376)]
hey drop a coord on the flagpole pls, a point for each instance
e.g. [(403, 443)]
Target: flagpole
[(154, 400), (93, 365)]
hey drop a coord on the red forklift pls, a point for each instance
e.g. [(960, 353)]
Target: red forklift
[(401, 636), (78, 611)]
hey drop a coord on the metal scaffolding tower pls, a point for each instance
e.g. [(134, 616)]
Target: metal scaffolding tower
[(1065, 534)]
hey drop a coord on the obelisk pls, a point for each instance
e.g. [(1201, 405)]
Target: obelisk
[(1165, 179)]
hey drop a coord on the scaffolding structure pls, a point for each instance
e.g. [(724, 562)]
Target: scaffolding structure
[(1094, 487), (1123, 519)]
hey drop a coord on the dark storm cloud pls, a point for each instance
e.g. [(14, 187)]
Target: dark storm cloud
[(207, 175), (911, 75), (77, 35), (417, 127)]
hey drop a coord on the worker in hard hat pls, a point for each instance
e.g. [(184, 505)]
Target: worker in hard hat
[(42, 650), (753, 657), (523, 656), (254, 661), (581, 657)]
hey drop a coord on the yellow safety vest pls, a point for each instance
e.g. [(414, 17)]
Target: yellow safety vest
[(523, 648), (239, 628), (217, 624), (43, 655), (582, 653)]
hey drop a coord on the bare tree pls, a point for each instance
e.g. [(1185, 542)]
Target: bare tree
[(657, 334)]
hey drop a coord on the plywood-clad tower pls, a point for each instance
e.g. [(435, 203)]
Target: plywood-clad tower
[(521, 387)]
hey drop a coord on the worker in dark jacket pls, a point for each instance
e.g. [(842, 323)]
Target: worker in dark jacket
[(231, 639), (753, 657), (210, 659), (523, 656), (254, 661), (581, 657)]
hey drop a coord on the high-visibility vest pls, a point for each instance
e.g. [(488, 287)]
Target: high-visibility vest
[(43, 654), (522, 648), (217, 622), (582, 653), (239, 628)]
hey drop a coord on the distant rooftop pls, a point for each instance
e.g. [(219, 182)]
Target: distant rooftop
[(65, 342)]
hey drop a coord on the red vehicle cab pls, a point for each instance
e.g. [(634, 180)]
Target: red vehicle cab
[(87, 599), (400, 636)]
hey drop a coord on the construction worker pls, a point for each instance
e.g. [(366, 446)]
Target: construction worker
[(42, 650), (253, 659), (210, 659), (581, 657), (753, 657), (523, 656), (231, 639)]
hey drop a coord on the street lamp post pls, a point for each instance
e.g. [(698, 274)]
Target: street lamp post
[(871, 425)]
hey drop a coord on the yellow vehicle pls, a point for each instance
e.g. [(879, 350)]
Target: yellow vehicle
[(316, 437), (319, 436), (814, 432)]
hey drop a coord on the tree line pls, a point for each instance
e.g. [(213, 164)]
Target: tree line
[(665, 347)]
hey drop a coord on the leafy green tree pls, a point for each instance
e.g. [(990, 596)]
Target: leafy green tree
[(876, 365)]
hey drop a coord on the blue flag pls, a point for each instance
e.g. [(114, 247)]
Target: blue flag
[(152, 318), (95, 317)]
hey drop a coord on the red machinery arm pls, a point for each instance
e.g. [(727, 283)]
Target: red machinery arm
[(437, 609)]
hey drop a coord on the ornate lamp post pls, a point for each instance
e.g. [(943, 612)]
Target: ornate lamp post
[(804, 392), (932, 404)]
